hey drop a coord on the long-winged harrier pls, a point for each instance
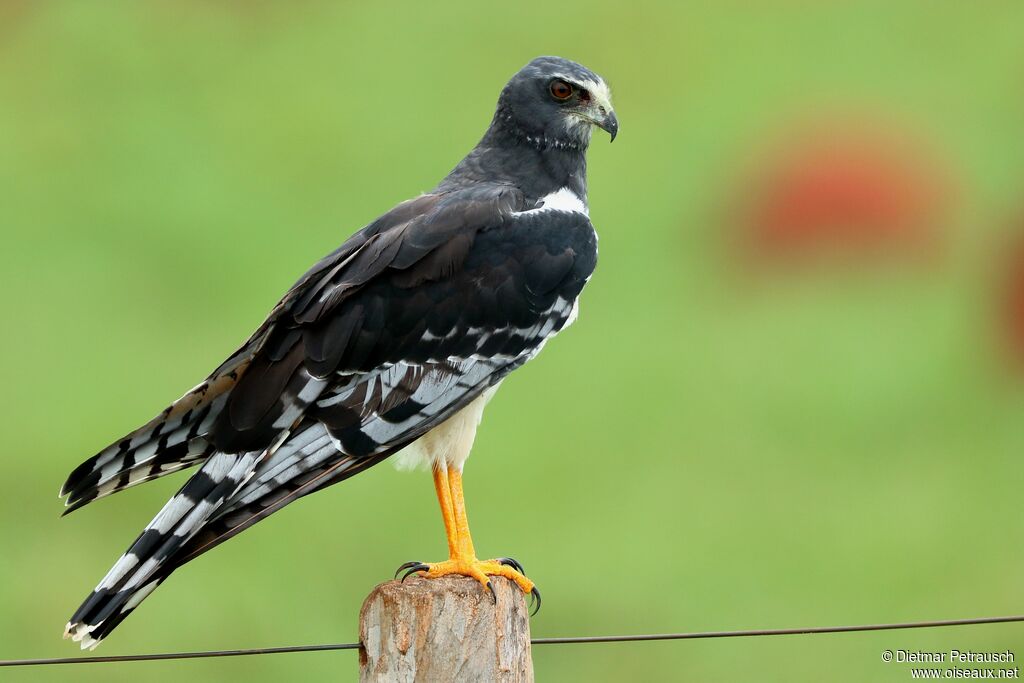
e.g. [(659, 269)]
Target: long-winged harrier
[(393, 342)]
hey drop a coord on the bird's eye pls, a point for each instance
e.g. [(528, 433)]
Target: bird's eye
[(560, 90)]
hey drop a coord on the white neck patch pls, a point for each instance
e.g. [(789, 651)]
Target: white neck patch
[(563, 200)]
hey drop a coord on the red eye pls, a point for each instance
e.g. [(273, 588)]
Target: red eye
[(561, 90)]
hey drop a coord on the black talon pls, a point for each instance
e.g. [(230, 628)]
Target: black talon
[(535, 594), (510, 562), (417, 567), (494, 596), (405, 565)]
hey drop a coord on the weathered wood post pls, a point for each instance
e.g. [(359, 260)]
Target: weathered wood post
[(444, 629)]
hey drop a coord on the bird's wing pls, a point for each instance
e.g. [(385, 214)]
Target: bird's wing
[(426, 338), (179, 436), (375, 346)]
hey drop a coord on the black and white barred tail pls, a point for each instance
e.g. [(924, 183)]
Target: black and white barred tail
[(173, 440), (135, 575)]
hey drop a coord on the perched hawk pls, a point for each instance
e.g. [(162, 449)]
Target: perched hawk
[(393, 342)]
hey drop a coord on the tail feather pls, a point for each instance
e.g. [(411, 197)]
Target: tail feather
[(238, 519), (135, 574), (300, 466), (233, 491), (173, 440), (165, 461)]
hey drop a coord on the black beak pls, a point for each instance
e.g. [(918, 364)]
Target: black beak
[(609, 124)]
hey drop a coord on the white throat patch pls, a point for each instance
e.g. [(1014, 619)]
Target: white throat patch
[(562, 200)]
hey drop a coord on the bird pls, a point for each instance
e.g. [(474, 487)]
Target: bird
[(392, 344)]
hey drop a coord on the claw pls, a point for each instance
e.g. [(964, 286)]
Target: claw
[(494, 596), (510, 562), (405, 565), (535, 594), (417, 567)]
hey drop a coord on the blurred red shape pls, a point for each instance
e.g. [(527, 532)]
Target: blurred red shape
[(1011, 300), (852, 189)]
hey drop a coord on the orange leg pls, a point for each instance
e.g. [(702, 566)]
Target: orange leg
[(444, 497), (461, 554), (465, 540)]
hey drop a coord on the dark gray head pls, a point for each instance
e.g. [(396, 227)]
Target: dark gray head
[(555, 102)]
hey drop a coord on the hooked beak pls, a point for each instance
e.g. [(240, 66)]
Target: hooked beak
[(608, 123)]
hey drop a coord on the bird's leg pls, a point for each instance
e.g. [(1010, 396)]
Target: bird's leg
[(444, 497), (465, 539), (461, 554)]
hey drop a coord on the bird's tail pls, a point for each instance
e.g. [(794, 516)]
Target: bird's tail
[(141, 568), (173, 440)]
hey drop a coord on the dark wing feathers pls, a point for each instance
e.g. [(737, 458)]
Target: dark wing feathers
[(173, 440), (272, 342), (402, 326), (258, 392)]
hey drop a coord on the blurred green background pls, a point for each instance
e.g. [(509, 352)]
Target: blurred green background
[(711, 446)]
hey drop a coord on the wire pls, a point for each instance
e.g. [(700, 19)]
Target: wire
[(536, 641), (777, 631), (180, 655)]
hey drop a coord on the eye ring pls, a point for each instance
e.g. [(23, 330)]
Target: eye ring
[(560, 90)]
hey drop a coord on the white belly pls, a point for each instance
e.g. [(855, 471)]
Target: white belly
[(449, 443)]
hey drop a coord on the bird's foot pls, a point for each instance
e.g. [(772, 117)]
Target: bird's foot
[(480, 570)]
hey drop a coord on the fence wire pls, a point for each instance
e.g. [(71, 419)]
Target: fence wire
[(536, 641)]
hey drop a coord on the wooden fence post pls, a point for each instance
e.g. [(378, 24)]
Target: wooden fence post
[(444, 629)]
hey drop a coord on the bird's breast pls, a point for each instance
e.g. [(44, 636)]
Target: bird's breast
[(449, 443)]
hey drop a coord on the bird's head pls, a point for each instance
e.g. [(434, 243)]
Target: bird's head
[(556, 102)]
